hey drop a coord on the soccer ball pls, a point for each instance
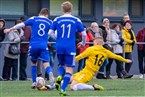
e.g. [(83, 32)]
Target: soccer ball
[(40, 82)]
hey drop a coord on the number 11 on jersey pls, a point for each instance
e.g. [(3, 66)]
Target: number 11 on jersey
[(64, 30)]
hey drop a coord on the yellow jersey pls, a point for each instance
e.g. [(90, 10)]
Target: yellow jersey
[(95, 58)]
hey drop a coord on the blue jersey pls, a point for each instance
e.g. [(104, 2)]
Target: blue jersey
[(38, 49), (40, 26), (66, 26)]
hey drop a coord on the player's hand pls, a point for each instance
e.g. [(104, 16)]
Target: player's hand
[(79, 46), (8, 30), (128, 61)]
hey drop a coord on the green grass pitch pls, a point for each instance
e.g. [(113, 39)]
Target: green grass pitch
[(113, 87)]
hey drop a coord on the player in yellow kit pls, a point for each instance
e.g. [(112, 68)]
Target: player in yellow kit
[(95, 57)]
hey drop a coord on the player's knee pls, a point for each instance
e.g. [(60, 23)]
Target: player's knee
[(73, 87), (34, 62), (46, 64)]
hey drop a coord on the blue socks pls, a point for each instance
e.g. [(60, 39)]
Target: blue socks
[(61, 70), (34, 73), (66, 80), (48, 69)]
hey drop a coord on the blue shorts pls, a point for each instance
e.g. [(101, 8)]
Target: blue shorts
[(67, 60), (39, 52)]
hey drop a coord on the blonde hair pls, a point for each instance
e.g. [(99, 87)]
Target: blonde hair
[(66, 6), (98, 37), (98, 40), (94, 24)]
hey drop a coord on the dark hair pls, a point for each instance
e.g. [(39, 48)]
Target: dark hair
[(17, 21), (127, 22), (44, 11), (2, 20), (23, 18), (116, 24)]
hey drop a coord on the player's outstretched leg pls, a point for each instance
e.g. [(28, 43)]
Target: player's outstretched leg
[(98, 87), (58, 82)]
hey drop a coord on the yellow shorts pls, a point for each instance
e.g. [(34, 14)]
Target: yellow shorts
[(83, 76)]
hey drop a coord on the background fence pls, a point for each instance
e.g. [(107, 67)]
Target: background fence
[(134, 68)]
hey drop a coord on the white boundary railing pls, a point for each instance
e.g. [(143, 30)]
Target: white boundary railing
[(8, 42)]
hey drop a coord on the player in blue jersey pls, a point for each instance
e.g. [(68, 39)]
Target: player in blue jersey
[(40, 26), (66, 26)]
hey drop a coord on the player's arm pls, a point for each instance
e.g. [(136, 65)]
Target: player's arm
[(85, 54), (52, 29), (117, 57), (83, 38), (52, 34), (82, 30), (20, 25), (83, 42)]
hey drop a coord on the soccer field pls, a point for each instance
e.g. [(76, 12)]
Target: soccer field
[(114, 87)]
